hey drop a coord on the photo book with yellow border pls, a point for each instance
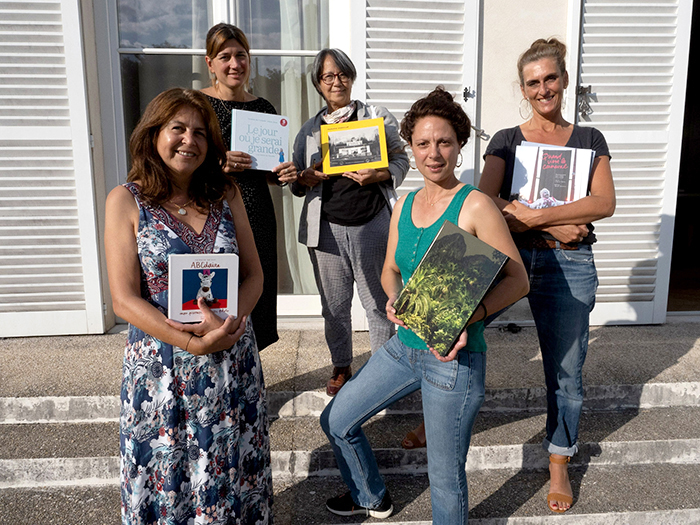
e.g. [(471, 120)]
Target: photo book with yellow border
[(353, 146)]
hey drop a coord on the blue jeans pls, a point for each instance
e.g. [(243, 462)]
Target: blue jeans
[(452, 395), (562, 294)]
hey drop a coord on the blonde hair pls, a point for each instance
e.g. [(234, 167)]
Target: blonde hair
[(541, 48)]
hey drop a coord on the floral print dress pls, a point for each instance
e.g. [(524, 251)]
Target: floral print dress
[(194, 438)]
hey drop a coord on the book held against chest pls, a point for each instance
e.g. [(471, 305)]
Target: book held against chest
[(353, 146), (546, 176), (447, 286), (211, 276), (265, 137)]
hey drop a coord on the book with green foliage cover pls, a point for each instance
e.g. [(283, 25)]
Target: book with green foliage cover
[(447, 286)]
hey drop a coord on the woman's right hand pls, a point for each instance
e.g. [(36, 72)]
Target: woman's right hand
[(237, 161), (391, 312), (568, 233), (210, 321), (311, 176), (221, 338)]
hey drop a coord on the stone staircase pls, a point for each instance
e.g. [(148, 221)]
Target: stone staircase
[(640, 434)]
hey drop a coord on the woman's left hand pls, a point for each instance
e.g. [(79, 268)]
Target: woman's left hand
[(368, 176), (459, 344), (210, 322), (568, 233), (286, 172)]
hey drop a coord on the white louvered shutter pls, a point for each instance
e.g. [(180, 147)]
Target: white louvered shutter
[(413, 46), (49, 264), (634, 57)]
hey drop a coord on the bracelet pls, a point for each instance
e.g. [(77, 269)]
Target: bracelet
[(188, 342)]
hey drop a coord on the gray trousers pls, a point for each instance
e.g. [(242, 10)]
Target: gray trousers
[(348, 254)]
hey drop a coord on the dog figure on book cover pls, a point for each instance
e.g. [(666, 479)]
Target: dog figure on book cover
[(205, 278)]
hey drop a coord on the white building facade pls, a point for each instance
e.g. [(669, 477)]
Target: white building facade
[(75, 76)]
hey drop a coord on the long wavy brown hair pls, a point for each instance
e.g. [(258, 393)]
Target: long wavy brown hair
[(209, 183)]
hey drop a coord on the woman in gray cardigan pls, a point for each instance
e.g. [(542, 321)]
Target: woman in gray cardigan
[(345, 219)]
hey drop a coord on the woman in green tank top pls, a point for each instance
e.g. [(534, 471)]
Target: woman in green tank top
[(452, 386)]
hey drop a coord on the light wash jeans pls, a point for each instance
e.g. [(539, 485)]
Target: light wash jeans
[(562, 294), (452, 395)]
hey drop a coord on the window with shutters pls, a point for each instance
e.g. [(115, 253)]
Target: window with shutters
[(49, 265), (412, 46), (633, 65), (159, 49)]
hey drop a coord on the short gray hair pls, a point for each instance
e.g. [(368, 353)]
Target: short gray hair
[(341, 60)]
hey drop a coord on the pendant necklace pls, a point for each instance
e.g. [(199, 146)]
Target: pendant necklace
[(426, 198), (181, 209)]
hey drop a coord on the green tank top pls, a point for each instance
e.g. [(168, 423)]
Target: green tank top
[(412, 244)]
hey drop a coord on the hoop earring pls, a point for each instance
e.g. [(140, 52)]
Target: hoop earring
[(460, 160), (528, 109), (413, 167)]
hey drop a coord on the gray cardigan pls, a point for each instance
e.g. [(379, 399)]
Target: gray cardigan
[(307, 152)]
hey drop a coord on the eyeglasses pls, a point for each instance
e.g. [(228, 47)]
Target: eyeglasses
[(329, 78)]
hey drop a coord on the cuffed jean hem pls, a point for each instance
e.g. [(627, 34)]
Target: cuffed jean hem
[(551, 448)]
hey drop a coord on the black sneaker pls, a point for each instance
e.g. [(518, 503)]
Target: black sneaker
[(345, 506)]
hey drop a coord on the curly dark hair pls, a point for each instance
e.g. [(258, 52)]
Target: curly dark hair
[(437, 103), (209, 183)]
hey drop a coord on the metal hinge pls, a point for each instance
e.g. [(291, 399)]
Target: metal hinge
[(481, 133), (583, 93), (468, 93)]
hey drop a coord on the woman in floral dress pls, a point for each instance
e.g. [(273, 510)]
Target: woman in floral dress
[(194, 436)]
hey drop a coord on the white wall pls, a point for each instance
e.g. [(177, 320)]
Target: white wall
[(509, 27)]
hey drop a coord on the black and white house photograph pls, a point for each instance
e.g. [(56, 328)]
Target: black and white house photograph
[(354, 145)]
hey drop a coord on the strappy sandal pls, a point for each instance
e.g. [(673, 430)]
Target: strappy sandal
[(556, 496), (412, 441)]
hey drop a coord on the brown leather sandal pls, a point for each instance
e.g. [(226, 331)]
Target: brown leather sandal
[(412, 441), (556, 496)]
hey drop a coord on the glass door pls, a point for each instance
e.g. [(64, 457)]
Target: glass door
[(159, 49)]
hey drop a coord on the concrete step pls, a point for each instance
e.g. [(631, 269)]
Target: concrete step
[(640, 434), (76, 409), (300, 361), (633, 495), (50, 454)]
